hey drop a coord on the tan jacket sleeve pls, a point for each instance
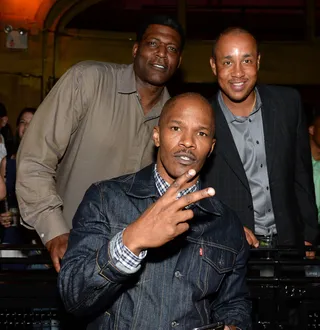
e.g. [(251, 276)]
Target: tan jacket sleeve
[(41, 148)]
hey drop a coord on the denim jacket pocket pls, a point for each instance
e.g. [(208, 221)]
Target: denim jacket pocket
[(221, 259), (216, 263)]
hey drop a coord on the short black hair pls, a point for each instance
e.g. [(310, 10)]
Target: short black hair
[(230, 30), (3, 110), (161, 20), (171, 103), (23, 111), (312, 113)]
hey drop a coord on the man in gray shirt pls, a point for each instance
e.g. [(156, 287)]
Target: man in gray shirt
[(95, 124), (261, 166)]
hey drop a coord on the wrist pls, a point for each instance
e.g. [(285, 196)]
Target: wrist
[(130, 242)]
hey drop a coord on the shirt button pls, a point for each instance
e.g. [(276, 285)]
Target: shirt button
[(267, 188), (174, 324), (177, 274), (269, 210), (257, 142), (42, 235), (261, 165), (250, 120)]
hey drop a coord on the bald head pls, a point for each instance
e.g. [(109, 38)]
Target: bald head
[(233, 31), (182, 100)]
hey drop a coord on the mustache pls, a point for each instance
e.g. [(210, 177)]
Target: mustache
[(185, 152)]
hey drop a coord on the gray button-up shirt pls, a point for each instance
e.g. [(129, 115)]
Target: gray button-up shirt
[(90, 127), (248, 136)]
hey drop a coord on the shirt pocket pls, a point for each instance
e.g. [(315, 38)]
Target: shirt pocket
[(216, 263)]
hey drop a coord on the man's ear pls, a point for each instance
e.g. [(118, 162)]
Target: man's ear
[(156, 136), (212, 147), (311, 129), (135, 49), (213, 65), (258, 61)]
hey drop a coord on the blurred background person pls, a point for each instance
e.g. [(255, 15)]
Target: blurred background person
[(13, 232), (314, 138), (6, 136)]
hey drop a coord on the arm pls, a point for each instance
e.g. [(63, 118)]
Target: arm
[(3, 190), (304, 187), (232, 305), (89, 278), (5, 218), (40, 150)]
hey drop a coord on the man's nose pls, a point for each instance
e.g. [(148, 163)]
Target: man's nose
[(238, 70), (188, 141), (162, 50)]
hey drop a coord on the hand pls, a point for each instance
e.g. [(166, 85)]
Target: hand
[(57, 248), (230, 327), (310, 254), (6, 219), (251, 238), (165, 219)]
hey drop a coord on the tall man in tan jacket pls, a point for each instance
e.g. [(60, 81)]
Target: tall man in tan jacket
[(96, 123)]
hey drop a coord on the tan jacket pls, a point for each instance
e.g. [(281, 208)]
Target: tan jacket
[(90, 127)]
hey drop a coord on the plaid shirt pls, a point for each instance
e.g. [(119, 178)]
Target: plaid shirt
[(120, 252)]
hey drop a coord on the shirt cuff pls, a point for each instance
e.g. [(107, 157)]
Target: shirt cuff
[(54, 225), (123, 256)]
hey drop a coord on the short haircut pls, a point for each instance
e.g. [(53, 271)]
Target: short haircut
[(173, 101), (161, 20), (312, 114), (232, 30), (3, 110)]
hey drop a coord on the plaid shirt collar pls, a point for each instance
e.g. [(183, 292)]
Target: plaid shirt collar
[(163, 185)]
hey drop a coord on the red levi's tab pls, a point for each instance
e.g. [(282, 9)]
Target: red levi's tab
[(200, 252)]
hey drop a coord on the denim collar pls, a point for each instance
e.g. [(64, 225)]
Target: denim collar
[(143, 186)]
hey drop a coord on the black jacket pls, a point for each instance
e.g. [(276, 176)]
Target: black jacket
[(289, 167)]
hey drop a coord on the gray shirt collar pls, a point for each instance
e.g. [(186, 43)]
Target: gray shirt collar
[(230, 117)]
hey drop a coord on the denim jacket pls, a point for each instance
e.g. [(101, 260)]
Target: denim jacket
[(196, 279)]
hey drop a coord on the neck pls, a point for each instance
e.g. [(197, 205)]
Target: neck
[(170, 179), (243, 108), (315, 151), (149, 94)]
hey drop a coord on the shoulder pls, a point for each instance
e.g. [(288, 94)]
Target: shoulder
[(118, 184), (96, 69), (282, 92)]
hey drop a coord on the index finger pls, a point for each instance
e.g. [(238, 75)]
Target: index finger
[(194, 197), (178, 184)]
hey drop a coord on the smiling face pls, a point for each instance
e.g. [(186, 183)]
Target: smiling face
[(24, 123), (157, 56), (236, 64), (185, 136)]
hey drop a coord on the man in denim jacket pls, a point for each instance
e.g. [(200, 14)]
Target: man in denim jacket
[(154, 250)]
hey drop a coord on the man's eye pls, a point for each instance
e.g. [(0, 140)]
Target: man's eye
[(203, 134), (152, 43), (227, 63), (172, 49), (175, 128), (247, 61)]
